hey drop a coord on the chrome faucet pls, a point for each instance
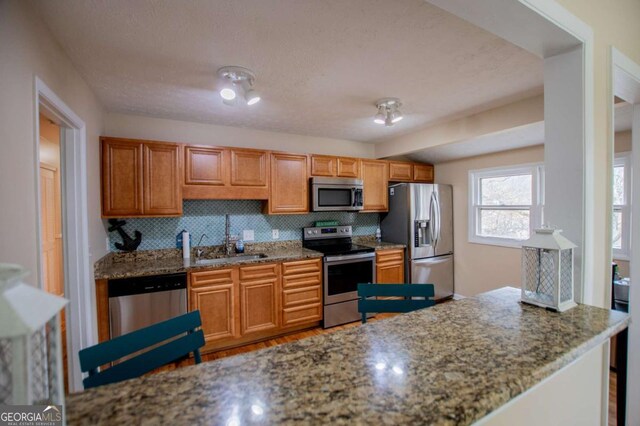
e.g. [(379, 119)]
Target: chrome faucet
[(199, 251), (228, 247)]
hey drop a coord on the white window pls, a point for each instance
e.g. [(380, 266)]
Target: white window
[(505, 204), (621, 206)]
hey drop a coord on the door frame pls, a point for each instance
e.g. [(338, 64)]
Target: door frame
[(625, 83), (81, 323)]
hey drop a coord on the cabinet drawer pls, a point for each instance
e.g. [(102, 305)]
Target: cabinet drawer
[(212, 277), (258, 272), (390, 256), (301, 267), (301, 296), (301, 314), (302, 280)]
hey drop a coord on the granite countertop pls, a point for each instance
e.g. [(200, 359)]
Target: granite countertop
[(156, 262), (450, 364), (370, 241)]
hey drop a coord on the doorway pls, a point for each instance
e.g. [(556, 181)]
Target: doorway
[(625, 217), (67, 270), (51, 203)]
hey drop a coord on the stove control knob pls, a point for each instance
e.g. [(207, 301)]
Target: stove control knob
[(309, 232), (315, 232)]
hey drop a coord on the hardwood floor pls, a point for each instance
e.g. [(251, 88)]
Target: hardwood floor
[(269, 343)]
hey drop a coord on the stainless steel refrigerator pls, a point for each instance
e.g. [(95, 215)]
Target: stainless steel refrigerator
[(421, 217)]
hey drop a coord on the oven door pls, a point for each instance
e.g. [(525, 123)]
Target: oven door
[(342, 274), (328, 197)]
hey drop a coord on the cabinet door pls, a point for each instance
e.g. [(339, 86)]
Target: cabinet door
[(249, 167), (390, 267), (121, 178), (162, 188), (423, 173), (289, 185), (322, 165), (205, 166), (400, 172), (215, 294), (348, 167), (375, 177), (259, 290)]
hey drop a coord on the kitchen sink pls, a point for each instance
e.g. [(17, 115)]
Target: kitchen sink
[(232, 258)]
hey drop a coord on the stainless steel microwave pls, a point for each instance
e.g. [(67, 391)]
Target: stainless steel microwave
[(336, 194)]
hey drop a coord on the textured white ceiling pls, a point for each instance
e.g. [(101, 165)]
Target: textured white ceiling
[(320, 65)]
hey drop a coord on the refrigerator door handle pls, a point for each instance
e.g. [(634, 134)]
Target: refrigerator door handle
[(438, 212), (432, 220)]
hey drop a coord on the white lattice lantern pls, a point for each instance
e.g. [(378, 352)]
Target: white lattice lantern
[(547, 270), (30, 345)]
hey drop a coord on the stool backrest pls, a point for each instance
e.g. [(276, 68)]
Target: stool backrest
[(184, 340), (406, 304)]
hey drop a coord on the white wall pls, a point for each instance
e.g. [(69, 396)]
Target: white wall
[(139, 127), (28, 50), (480, 267), (569, 397)]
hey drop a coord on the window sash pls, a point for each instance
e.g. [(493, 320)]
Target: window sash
[(535, 209), (623, 159)]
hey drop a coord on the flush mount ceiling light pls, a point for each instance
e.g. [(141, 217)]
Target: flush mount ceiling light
[(388, 111), (236, 83)]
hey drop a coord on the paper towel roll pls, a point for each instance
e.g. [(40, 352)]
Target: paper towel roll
[(186, 246)]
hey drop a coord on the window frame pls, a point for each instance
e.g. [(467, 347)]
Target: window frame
[(536, 208), (623, 159)]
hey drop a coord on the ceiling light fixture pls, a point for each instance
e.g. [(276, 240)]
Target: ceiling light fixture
[(388, 111), (237, 82)]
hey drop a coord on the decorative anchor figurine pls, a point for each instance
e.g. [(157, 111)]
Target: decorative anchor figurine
[(128, 244)]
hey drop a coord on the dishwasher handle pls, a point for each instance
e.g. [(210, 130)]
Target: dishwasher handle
[(149, 284)]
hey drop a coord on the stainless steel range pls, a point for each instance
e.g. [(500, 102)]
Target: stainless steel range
[(345, 266)]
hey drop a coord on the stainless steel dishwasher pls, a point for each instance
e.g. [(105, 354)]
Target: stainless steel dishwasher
[(136, 303)]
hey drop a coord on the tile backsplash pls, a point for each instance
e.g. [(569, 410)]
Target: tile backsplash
[(207, 217)]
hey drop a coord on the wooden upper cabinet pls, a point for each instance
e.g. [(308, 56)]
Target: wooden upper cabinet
[(400, 171), (121, 178), (219, 173), (375, 178), (289, 191), (423, 173), (162, 189), (329, 166), (348, 167), (249, 167), (205, 166), (323, 165)]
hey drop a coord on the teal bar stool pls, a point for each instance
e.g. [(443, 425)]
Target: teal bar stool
[(407, 304), (182, 329)]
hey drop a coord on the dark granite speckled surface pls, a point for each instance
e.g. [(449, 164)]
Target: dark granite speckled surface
[(450, 364), (370, 241), (169, 261)]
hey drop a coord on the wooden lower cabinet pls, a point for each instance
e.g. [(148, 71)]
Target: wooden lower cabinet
[(246, 304), (390, 266), (259, 291), (215, 294), (301, 292)]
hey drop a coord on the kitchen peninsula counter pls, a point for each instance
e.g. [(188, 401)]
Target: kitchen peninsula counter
[(450, 364)]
